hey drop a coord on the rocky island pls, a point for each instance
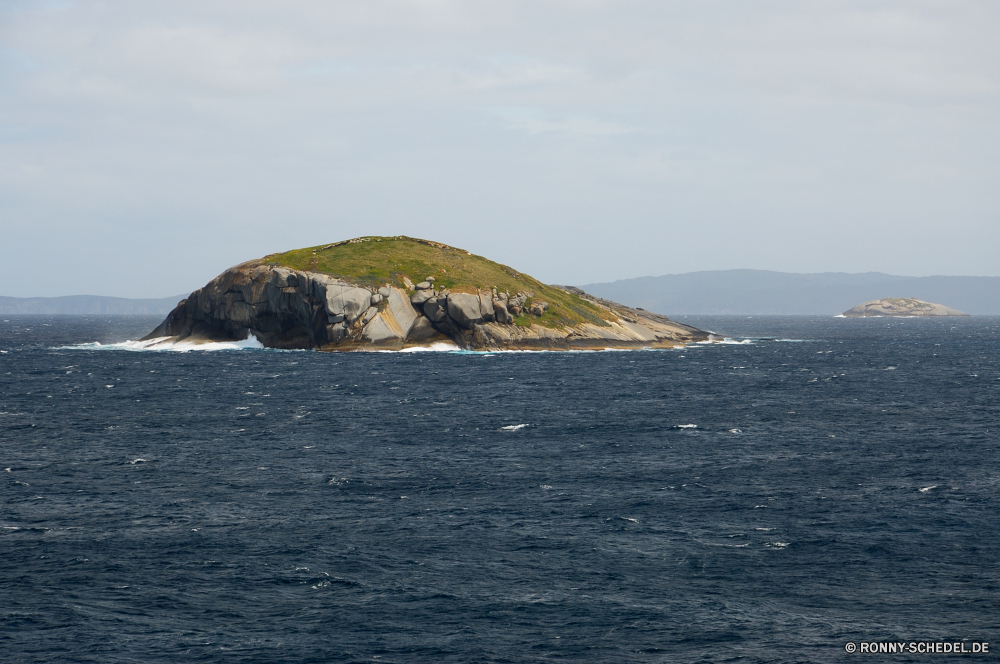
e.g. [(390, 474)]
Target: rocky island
[(397, 292), (901, 306)]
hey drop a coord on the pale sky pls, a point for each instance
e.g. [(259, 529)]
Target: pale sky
[(147, 146)]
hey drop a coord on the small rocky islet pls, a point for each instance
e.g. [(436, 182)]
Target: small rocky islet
[(901, 306), (391, 293)]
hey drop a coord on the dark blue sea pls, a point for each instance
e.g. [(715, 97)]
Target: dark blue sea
[(812, 482)]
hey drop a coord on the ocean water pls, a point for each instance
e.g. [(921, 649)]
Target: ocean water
[(811, 482)]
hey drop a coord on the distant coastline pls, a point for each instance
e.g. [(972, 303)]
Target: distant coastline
[(708, 293), (762, 292), (84, 305)]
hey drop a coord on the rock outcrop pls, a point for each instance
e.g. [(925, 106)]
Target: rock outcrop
[(901, 306), (286, 308)]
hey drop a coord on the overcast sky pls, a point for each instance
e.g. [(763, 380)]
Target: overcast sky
[(147, 146)]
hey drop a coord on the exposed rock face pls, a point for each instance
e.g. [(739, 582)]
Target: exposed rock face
[(421, 296), (436, 309), (901, 306), (286, 308), (400, 308), (500, 312), (383, 328), (422, 330), (463, 308), (538, 308), (343, 301)]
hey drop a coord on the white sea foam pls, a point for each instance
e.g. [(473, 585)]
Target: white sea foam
[(251, 342), (168, 344), (928, 488), (513, 427), (686, 426), (725, 545), (437, 347), (749, 341), (727, 341), (489, 353)]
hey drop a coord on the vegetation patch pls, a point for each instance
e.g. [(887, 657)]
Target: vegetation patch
[(908, 302), (375, 261)]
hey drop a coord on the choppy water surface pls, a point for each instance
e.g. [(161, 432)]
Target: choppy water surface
[(828, 481)]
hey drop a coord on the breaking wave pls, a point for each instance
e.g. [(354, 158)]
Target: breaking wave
[(168, 344), (438, 347)]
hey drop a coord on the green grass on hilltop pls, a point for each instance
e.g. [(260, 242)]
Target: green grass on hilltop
[(376, 261)]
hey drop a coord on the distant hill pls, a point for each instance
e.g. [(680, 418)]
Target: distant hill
[(88, 305), (760, 292)]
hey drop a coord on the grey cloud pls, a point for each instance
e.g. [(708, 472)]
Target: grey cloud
[(599, 140)]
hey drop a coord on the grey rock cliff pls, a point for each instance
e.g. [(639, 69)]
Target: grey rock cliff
[(286, 308), (463, 308)]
